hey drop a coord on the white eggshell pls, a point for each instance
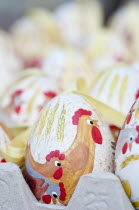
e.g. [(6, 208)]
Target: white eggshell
[(27, 95), (117, 87), (71, 132), (127, 155)]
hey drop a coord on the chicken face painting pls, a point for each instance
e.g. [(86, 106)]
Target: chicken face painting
[(127, 155), (66, 143)]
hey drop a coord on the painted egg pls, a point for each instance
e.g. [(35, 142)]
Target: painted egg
[(27, 95), (128, 27), (65, 65), (69, 139), (10, 66), (117, 87), (37, 30), (127, 155), (99, 58), (79, 30)]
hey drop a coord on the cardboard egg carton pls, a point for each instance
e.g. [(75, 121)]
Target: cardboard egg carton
[(96, 191)]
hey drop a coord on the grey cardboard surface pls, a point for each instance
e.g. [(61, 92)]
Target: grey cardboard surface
[(96, 191)]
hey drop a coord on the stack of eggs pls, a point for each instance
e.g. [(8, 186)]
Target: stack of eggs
[(67, 85)]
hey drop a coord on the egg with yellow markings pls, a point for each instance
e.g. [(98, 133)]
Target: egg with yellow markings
[(127, 155), (70, 139), (117, 87), (26, 96)]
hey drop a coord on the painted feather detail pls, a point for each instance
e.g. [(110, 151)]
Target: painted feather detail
[(61, 125), (113, 85), (42, 122), (123, 90), (50, 120), (97, 78), (128, 160), (127, 188), (30, 85), (105, 79), (31, 102)]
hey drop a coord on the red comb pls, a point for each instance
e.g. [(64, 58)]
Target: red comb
[(78, 114), (55, 153)]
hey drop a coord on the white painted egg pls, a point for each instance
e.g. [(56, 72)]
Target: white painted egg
[(26, 96), (9, 62), (69, 139), (117, 87), (37, 30), (65, 65), (75, 29), (127, 155)]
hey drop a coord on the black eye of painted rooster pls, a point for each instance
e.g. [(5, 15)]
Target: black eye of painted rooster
[(90, 122), (131, 138), (57, 163), (54, 195)]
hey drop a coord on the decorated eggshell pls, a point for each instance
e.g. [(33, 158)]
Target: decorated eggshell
[(128, 27), (38, 31), (65, 65), (127, 155), (9, 62), (26, 96), (99, 58), (79, 30), (69, 139), (117, 87)]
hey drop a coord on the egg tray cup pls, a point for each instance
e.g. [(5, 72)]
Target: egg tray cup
[(95, 191)]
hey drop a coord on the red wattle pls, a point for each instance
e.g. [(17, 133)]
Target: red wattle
[(96, 135), (124, 149), (46, 199), (63, 194), (137, 128), (137, 140), (58, 173)]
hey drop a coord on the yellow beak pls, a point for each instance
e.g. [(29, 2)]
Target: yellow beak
[(130, 147)]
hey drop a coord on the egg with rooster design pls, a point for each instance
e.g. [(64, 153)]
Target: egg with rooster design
[(26, 96), (127, 155), (69, 139)]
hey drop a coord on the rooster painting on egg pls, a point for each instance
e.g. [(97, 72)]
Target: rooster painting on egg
[(66, 147), (127, 155)]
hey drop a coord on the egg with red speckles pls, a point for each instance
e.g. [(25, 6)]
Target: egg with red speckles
[(70, 139), (26, 96), (127, 155)]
